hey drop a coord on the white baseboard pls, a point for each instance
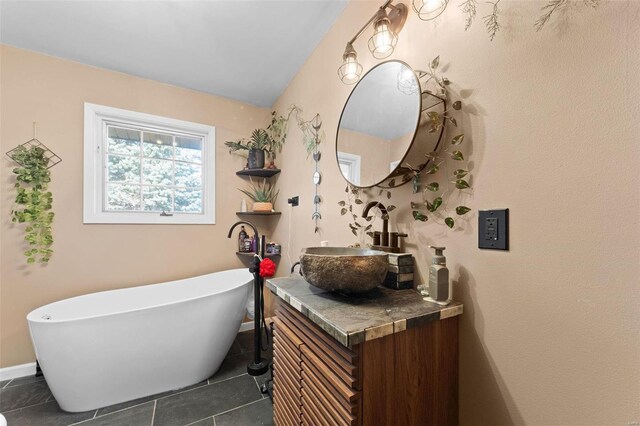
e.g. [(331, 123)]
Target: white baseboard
[(15, 371), (246, 326)]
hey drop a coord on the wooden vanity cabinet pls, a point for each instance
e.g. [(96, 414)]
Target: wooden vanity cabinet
[(406, 378)]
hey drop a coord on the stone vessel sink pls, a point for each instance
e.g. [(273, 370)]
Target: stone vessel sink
[(343, 269)]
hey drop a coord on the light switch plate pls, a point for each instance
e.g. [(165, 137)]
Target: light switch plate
[(493, 229)]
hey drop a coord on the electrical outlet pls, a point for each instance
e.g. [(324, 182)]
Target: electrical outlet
[(493, 229), (294, 201)]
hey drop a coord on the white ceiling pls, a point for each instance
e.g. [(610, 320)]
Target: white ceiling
[(243, 50)]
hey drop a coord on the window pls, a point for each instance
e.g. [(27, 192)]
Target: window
[(350, 166), (141, 168)]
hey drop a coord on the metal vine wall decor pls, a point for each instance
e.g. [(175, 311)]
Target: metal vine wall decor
[(316, 124), (312, 136)]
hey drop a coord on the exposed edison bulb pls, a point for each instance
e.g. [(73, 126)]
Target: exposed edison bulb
[(429, 9), (350, 70), (383, 40)]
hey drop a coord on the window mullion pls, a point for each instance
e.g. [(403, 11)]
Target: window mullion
[(141, 168), (173, 165)]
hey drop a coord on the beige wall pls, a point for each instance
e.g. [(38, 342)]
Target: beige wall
[(551, 329), (91, 258)]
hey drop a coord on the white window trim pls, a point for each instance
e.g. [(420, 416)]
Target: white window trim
[(94, 119), (354, 162)]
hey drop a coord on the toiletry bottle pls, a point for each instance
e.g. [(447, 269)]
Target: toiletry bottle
[(248, 244), (438, 276), (243, 206), (241, 237)]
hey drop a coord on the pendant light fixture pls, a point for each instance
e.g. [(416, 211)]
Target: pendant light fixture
[(429, 9), (350, 70), (387, 23), (383, 40)]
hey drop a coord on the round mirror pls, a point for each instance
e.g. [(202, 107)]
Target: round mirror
[(383, 131)]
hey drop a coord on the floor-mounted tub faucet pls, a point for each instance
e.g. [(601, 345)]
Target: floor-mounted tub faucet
[(259, 365)]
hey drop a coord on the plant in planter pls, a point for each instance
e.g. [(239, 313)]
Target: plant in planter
[(267, 141), (263, 195), (255, 146), (34, 202)]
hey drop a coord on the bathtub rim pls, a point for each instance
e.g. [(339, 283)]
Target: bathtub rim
[(33, 318)]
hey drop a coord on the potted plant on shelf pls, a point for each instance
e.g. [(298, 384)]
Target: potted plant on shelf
[(263, 195), (267, 141), (256, 146)]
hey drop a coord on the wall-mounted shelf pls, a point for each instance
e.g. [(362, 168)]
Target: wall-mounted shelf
[(265, 173), (243, 254), (258, 213)]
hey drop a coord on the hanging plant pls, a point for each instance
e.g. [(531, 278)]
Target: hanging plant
[(33, 201)]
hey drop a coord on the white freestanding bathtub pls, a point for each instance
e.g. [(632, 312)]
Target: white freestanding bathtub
[(114, 346)]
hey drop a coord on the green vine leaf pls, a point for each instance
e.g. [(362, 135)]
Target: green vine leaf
[(460, 173), (368, 218), (419, 216), (458, 139), (342, 203), (432, 170), (358, 201), (460, 210), (432, 207), (433, 187), (392, 183), (437, 203), (449, 222), (388, 195), (457, 105), (343, 211), (457, 155), (462, 184), (391, 208), (435, 62)]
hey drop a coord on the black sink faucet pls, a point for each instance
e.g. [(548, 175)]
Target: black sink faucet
[(385, 220)]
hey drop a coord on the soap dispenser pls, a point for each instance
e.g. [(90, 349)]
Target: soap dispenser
[(439, 287)]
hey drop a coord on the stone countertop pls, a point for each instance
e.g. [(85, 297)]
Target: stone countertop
[(355, 319)]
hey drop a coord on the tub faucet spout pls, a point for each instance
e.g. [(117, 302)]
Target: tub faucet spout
[(249, 224)]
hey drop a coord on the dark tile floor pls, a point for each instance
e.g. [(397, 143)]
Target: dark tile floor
[(230, 397)]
